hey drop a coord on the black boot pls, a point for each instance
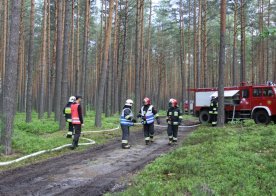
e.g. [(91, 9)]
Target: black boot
[(74, 145), (125, 146), (147, 142)]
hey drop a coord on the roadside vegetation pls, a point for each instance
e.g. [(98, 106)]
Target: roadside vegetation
[(237, 159), (44, 134)]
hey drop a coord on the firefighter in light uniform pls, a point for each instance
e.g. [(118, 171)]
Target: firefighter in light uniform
[(77, 121), (147, 113), (174, 119), (213, 110), (126, 121), (68, 117)]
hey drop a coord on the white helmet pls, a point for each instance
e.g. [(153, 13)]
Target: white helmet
[(129, 102), (72, 99)]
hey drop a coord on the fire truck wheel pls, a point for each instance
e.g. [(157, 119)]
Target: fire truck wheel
[(204, 116), (261, 117)]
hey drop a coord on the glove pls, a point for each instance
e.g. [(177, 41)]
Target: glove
[(134, 120), (144, 118), (158, 121)]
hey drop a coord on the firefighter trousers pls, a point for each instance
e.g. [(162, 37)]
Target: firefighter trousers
[(125, 134), (213, 119), (172, 132), (149, 131), (77, 128)]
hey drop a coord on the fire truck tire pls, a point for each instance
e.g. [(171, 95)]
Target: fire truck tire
[(204, 116), (261, 117)]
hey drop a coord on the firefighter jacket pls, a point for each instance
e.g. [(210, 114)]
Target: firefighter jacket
[(174, 116), (67, 112), (76, 114), (126, 117), (147, 113), (213, 106)]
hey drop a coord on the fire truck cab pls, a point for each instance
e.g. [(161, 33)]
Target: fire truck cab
[(257, 102)]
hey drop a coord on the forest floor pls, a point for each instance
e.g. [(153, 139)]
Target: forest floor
[(98, 170)]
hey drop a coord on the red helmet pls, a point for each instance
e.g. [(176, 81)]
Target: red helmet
[(146, 101), (174, 103)]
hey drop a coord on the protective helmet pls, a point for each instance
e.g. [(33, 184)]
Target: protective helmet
[(72, 99), (129, 102), (170, 102), (146, 101), (174, 103)]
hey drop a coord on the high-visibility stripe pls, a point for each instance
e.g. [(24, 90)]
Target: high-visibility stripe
[(67, 110), (124, 141), (126, 120), (147, 138), (174, 138), (175, 123)]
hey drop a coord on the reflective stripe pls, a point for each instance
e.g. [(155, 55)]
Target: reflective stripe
[(180, 117), (174, 138), (124, 141), (170, 137), (124, 120), (69, 120), (169, 122), (214, 123), (170, 113), (175, 113), (69, 133), (147, 138), (175, 123), (215, 112), (149, 115), (67, 110), (210, 112)]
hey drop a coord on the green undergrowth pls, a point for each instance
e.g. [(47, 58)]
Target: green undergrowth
[(235, 160), (44, 134)]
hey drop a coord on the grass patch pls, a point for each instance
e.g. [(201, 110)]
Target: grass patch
[(44, 134), (237, 159)]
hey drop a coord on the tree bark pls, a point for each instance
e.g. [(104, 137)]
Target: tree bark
[(9, 91), (64, 82), (100, 97), (221, 115)]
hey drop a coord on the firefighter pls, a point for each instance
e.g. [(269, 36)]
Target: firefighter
[(147, 113), (126, 121), (213, 110), (174, 119), (77, 121), (67, 115)]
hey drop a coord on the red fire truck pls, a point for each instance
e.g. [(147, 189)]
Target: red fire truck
[(241, 102)]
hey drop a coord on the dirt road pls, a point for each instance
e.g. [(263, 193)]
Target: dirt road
[(98, 170)]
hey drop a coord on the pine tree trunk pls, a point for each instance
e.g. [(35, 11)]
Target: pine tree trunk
[(43, 63), (30, 65), (9, 91), (221, 74), (58, 62), (100, 96), (234, 63), (85, 56), (64, 81), (137, 58), (243, 63)]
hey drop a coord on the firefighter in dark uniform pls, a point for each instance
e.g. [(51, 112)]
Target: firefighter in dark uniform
[(68, 117), (174, 119), (213, 110), (147, 113), (126, 121), (77, 121)]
